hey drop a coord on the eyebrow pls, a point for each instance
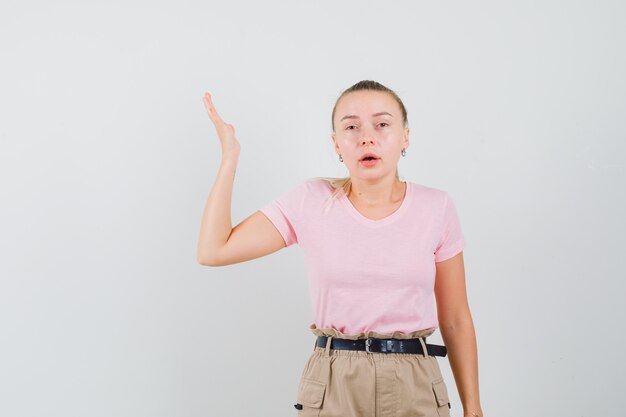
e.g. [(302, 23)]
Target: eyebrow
[(353, 116)]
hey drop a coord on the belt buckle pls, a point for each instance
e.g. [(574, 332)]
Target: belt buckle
[(368, 343), (389, 345)]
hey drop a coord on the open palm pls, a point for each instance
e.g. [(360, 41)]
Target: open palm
[(225, 131)]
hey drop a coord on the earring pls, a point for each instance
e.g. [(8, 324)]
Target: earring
[(403, 152), (340, 158)]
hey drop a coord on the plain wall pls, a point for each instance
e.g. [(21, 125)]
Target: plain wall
[(107, 157)]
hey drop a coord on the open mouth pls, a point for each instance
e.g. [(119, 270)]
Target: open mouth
[(369, 161)]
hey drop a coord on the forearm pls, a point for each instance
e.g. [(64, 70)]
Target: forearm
[(216, 225), (460, 340)]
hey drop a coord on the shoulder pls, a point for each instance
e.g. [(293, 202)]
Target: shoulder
[(306, 189), (318, 186), (429, 194)]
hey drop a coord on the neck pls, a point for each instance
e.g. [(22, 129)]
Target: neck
[(377, 192)]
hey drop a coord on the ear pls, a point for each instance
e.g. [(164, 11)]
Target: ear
[(335, 142), (405, 143)]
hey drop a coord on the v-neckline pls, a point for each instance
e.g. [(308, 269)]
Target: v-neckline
[(385, 220)]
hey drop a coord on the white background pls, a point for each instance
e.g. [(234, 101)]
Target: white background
[(107, 157)]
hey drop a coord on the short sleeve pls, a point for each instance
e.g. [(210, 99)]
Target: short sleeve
[(285, 213), (451, 241)]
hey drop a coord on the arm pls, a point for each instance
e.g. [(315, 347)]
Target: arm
[(457, 331), (218, 243)]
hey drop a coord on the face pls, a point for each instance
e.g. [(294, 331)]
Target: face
[(369, 121)]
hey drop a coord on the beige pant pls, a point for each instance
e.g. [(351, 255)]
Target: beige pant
[(348, 383)]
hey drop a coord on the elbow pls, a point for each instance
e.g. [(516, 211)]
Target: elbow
[(205, 255), (204, 260), (448, 327), (456, 324), (207, 262)]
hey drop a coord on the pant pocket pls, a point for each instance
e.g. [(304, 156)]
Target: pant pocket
[(310, 397), (440, 392)]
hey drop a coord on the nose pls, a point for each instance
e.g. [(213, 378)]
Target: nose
[(367, 136)]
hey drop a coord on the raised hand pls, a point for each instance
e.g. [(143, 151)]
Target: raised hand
[(225, 131)]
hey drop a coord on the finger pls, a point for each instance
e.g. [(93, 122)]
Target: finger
[(208, 104)]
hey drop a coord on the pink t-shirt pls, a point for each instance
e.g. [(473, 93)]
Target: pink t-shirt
[(369, 275)]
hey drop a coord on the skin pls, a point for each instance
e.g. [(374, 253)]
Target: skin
[(377, 187), (225, 131), (377, 192), (457, 331)]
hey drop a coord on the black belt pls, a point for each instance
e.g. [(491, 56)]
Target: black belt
[(383, 345)]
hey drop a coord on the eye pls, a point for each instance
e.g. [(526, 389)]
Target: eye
[(383, 123), (351, 127)]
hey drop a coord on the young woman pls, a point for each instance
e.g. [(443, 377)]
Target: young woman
[(378, 251)]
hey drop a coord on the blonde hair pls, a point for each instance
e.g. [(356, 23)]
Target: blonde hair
[(344, 185)]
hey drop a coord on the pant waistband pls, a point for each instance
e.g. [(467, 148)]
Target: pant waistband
[(371, 345)]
